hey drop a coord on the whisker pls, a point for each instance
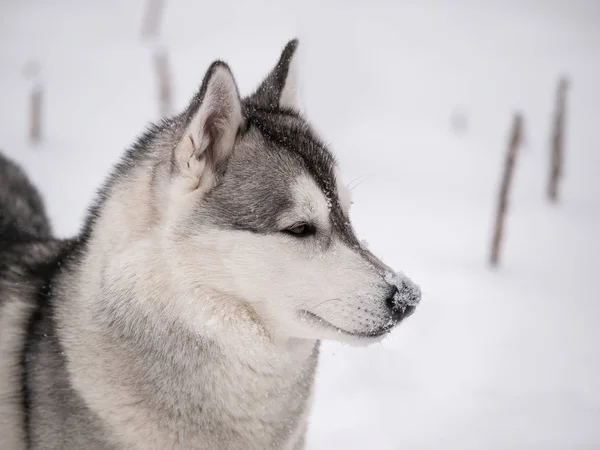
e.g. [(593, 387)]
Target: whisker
[(357, 184), (355, 179), (325, 301)]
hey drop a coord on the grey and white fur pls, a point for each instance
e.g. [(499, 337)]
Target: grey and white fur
[(188, 312)]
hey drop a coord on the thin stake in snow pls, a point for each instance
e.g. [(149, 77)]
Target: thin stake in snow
[(31, 71), (509, 164), (35, 114), (557, 155), (152, 18), (163, 78)]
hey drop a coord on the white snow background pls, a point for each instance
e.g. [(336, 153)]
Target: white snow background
[(506, 359)]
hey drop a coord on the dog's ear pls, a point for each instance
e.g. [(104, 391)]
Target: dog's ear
[(281, 85), (213, 119)]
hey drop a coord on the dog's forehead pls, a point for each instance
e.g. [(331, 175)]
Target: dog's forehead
[(289, 134), (275, 150)]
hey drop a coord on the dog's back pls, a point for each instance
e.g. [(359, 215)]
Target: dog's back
[(25, 240), (22, 214)]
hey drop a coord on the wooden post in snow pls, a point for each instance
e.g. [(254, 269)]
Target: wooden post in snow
[(163, 80), (31, 71), (509, 165), (152, 18), (35, 114), (557, 151)]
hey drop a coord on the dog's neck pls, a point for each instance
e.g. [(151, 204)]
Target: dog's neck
[(153, 373), (151, 379)]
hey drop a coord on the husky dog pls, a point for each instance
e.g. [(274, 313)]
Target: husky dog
[(188, 312)]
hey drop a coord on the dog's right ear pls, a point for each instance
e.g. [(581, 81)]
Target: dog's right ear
[(213, 119), (280, 87)]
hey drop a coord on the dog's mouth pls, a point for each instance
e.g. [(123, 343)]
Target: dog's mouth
[(314, 319)]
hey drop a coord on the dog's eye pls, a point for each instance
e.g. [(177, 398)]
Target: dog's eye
[(300, 230)]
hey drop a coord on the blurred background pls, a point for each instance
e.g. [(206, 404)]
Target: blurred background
[(418, 101)]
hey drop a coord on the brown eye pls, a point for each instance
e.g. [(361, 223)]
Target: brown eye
[(300, 230)]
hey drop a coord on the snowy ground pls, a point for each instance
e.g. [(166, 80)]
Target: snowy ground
[(491, 360)]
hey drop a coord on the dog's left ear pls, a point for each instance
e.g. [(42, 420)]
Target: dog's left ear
[(213, 119), (280, 87)]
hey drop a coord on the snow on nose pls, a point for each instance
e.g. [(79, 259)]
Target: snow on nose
[(408, 293)]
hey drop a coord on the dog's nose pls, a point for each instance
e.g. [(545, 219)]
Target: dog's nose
[(402, 302)]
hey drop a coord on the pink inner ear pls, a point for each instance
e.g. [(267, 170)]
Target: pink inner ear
[(213, 127)]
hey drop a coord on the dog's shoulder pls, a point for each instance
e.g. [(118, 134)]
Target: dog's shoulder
[(22, 211), (22, 277)]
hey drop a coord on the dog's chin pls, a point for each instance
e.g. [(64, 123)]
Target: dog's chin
[(325, 330)]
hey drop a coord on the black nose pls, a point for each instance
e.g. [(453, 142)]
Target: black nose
[(399, 309)]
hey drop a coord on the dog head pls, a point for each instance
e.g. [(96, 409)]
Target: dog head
[(251, 211)]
